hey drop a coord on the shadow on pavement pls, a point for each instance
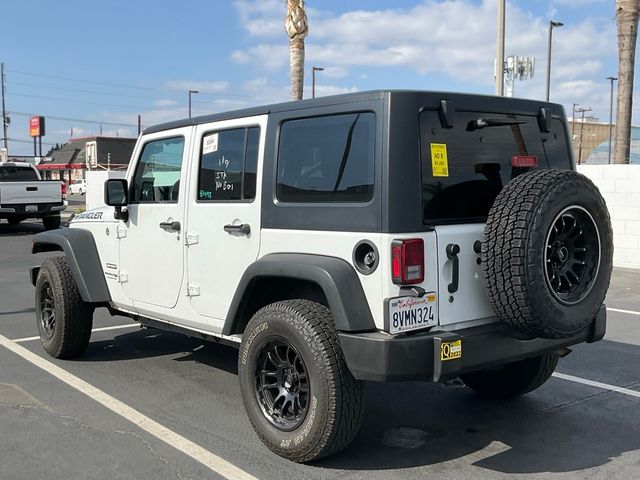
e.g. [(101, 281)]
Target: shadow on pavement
[(25, 228), (559, 428)]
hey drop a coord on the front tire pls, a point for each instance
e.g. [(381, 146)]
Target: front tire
[(300, 397), (15, 220), (512, 379), (64, 319)]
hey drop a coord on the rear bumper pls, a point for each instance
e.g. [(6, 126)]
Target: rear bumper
[(379, 357), (21, 210)]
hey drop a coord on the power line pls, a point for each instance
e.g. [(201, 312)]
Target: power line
[(82, 81), (20, 140), (73, 100), (75, 90), (68, 119)]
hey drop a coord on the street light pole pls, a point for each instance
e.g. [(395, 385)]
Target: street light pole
[(4, 113), (190, 92), (611, 79), (313, 80), (500, 53), (552, 25)]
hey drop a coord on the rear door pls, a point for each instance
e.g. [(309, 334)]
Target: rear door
[(223, 235), (463, 170)]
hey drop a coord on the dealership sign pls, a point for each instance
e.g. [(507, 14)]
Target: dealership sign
[(36, 127)]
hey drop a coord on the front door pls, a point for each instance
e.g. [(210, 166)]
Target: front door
[(223, 234), (151, 246)]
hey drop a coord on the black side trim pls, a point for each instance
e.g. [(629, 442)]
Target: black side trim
[(337, 279), (80, 249)]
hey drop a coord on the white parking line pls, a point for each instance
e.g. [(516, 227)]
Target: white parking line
[(604, 386), (175, 440), (101, 329), (630, 312)]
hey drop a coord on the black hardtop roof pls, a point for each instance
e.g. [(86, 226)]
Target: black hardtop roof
[(516, 104), (16, 164)]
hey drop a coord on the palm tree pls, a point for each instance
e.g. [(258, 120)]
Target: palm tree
[(627, 19), (295, 23)]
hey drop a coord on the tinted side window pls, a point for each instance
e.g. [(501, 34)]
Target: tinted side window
[(327, 159), (465, 167), (157, 178), (228, 165)]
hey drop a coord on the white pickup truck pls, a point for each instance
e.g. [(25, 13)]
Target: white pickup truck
[(23, 194)]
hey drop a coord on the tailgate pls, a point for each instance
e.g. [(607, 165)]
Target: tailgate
[(465, 299), (32, 193)]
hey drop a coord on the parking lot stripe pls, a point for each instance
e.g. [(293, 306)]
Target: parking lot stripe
[(171, 438), (605, 386), (630, 312), (101, 329)]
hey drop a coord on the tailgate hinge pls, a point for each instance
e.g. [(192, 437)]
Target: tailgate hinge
[(121, 232), (193, 289), (192, 238), (123, 277)]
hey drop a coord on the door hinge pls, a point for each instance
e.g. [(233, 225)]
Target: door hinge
[(121, 232), (193, 289), (192, 238), (123, 276)]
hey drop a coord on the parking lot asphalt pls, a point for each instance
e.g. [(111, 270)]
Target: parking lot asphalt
[(49, 429)]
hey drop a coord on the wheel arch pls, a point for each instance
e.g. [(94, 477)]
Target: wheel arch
[(82, 256), (327, 280)]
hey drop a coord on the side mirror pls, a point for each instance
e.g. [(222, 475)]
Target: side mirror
[(116, 193)]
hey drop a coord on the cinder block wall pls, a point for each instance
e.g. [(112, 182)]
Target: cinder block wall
[(620, 187)]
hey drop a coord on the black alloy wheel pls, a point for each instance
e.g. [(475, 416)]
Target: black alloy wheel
[(572, 255), (282, 385), (47, 311)]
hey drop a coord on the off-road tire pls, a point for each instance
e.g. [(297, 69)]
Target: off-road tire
[(517, 235), (512, 379), (69, 336), (51, 222), (334, 412)]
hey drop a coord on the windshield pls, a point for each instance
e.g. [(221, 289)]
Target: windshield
[(465, 167)]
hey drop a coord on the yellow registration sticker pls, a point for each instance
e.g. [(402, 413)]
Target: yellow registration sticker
[(439, 161), (451, 350)]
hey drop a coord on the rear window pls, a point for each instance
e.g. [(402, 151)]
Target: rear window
[(465, 167), (17, 174)]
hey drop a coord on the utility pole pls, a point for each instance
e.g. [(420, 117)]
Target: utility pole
[(611, 79), (500, 52), (573, 121), (4, 113), (582, 111)]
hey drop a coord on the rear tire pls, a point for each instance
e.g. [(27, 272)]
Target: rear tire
[(64, 319), (301, 399), (15, 220), (51, 222), (512, 379)]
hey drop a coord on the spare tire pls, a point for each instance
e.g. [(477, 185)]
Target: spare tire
[(547, 253)]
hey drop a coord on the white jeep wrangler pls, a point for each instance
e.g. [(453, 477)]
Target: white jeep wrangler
[(383, 236)]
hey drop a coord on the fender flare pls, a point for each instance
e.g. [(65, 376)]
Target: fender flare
[(335, 277), (80, 249)]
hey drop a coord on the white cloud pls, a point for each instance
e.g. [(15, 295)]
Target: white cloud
[(164, 102), (202, 86)]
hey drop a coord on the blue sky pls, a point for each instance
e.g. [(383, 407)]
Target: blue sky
[(98, 64)]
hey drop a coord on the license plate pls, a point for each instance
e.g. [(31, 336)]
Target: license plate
[(31, 208), (411, 313)]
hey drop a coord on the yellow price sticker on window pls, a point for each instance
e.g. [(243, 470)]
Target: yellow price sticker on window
[(439, 161)]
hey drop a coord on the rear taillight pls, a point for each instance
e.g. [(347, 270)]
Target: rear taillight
[(524, 161), (407, 261), (63, 190)]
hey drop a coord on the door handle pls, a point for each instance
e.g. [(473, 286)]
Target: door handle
[(242, 229), (175, 226), (453, 249), (32, 189)]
